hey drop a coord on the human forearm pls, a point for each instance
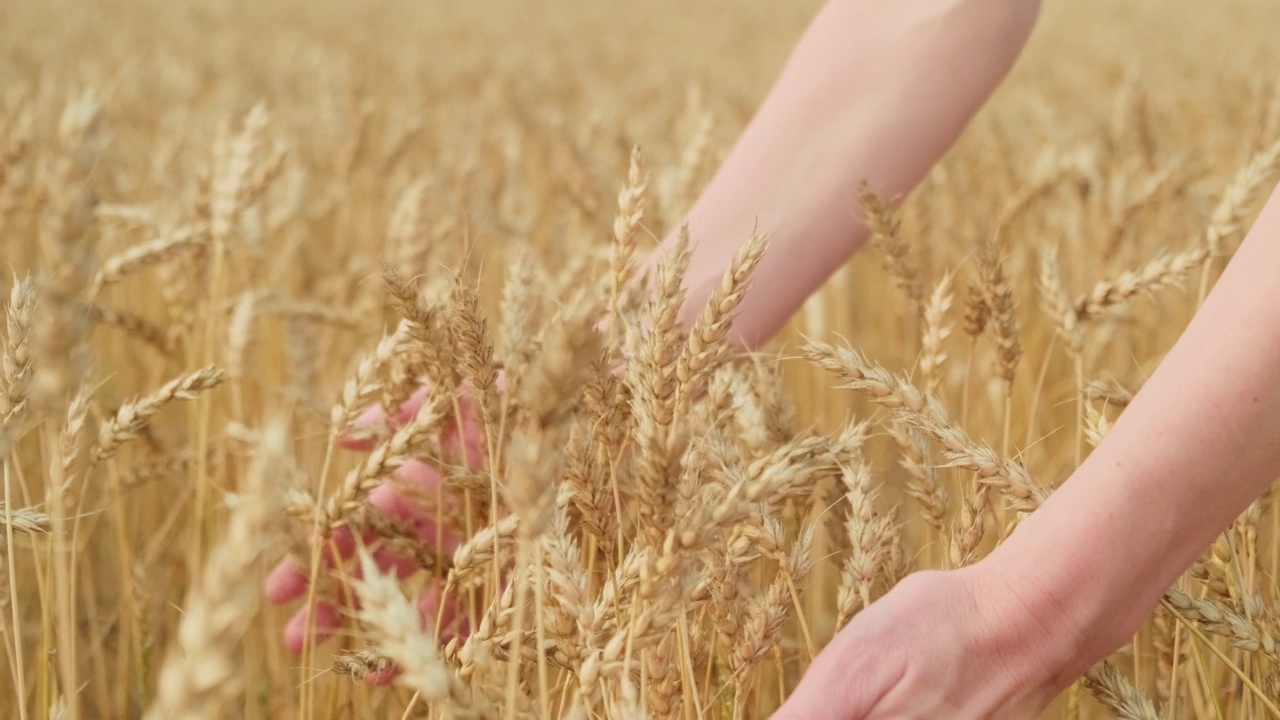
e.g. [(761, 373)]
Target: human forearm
[(875, 92), (1197, 445)]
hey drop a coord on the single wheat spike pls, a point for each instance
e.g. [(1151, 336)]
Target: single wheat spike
[(201, 671), (28, 520), (866, 558), (474, 556), (314, 312), (927, 414), (364, 383), (923, 485), (72, 440), (240, 333), (1162, 271), (1218, 619), (1228, 215), (763, 621), (232, 183), (407, 231), (133, 416), (163, 467), (15, 363), (1057, 302), (398, 628), (692, 160), (976, 312), (936, 332), (654, 381), (626, 225), (1109, 392), (586, 480), (154, 252), (132, 325), (518, 341), (708, 343), (998, 297), (1096, 426), (572, 616), (1111, 689), (969, 529), (359, 663), (884, 223), (475, 352)]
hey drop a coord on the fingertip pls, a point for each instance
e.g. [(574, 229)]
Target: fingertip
[(340, 547), (381, 678), (409, 407), (388, 562), (388, 499), (376, 417), (359, 438), (355, 443), (325, 624), (413, 475), (286, 582)]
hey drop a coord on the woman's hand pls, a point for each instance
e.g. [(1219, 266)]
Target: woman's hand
[(966, 643), (289, 580)]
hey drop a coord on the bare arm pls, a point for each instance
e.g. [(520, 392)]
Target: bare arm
[(1004, 636), (1198, 444), (876, 92)]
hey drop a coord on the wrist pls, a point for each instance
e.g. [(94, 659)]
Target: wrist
[(1086, 572), (1018, 603)]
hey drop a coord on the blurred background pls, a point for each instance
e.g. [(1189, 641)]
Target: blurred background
[(517, 118)]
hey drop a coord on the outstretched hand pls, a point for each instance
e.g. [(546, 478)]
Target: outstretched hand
[(953, 644), (288, 582)]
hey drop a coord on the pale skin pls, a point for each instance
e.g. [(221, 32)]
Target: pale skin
[(877, 92)]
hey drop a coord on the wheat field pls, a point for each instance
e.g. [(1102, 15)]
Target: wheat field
[(228, 228)]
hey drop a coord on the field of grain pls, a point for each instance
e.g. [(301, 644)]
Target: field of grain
[(228, 228)]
